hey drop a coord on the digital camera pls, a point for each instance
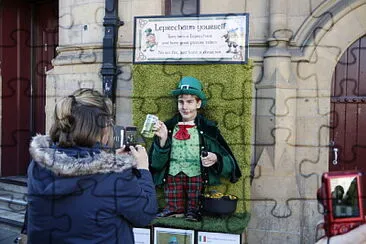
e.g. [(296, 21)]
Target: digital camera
[(124, 136), (340, 194)]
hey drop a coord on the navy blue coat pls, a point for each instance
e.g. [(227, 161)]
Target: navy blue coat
[(82, 195)]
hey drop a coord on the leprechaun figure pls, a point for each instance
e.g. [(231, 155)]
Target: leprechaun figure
[(188, 153)]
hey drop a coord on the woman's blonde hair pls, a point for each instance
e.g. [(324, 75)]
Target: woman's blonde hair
[(81, 119)]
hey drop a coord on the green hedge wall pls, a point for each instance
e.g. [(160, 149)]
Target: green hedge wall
[(229, 91)]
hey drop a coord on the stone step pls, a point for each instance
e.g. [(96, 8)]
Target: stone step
[(11, 218), (13, 202), (14, 184)]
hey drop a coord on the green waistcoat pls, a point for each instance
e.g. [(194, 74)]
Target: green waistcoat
[(185, 155)]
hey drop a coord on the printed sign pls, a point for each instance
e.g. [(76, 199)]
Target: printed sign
[(218, 238), (173, 236), (198, 39), (141, 235)]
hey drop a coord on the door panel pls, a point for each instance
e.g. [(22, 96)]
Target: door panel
[(348, 115), (15, 67), (45, 43)]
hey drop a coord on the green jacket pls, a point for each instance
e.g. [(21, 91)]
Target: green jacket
[(211, 140)]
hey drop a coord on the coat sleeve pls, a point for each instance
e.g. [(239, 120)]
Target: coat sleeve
[(136, 198), (226, 165), (159, 156)]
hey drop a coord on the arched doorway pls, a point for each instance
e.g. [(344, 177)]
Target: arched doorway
[(348, 111)]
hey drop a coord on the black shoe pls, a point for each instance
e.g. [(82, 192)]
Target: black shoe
[(168, 213), (193, 215)]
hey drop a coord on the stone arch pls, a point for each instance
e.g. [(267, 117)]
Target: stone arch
[(322, 20), (323, 49)]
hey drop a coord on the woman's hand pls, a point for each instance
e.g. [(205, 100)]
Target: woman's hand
[(161, 131), (209, 160), (139, 153), (121, 150), (355, 236)]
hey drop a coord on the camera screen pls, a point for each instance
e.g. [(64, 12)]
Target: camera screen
[(130, 136), (344, 194)]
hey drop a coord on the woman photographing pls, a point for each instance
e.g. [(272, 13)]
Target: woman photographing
[(80, 191)]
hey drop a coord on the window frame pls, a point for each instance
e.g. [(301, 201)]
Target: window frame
[(168, 8)]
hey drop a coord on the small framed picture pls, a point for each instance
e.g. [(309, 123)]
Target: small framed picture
[(173, 236), (217, 238), (142, 235)]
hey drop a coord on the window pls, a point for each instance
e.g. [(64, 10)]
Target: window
[(182, 7)]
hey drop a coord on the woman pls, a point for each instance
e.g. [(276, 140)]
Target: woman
[(78, 191)]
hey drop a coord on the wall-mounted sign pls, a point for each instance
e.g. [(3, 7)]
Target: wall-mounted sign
[(198, 39)]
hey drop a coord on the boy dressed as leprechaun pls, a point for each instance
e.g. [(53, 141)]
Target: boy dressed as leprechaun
[(189, 153)]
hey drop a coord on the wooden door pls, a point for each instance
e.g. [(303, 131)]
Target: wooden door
[(16, 85), (45, 30), (348, 112), (23, 62)]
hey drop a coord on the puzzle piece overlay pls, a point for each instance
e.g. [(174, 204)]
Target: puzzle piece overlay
[(295, 47)]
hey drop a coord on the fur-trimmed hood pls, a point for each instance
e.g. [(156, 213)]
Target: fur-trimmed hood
[(77, 161)]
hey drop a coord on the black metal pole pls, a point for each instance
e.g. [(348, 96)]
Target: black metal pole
[(109, 68)]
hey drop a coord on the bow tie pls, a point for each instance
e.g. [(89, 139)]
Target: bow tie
[(182, 133)]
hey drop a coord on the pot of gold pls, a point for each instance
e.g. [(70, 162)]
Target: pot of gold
[(219, 204)]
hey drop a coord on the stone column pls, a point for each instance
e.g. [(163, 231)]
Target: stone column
[(274, 219), (79, 57)]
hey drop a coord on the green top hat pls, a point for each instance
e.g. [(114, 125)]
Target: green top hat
[(192, 86)]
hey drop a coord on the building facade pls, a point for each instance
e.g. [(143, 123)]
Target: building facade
[(308, 78)]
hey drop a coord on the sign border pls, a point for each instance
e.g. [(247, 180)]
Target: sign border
[(203, 61)]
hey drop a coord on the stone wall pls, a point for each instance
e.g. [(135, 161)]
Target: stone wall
[(79, 58), (293, 105)]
